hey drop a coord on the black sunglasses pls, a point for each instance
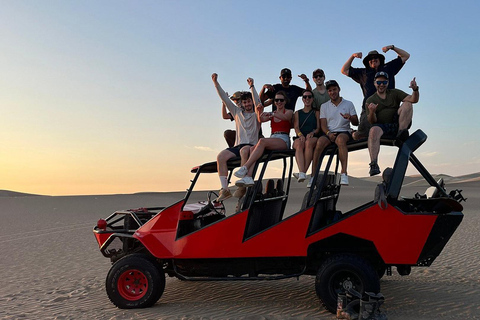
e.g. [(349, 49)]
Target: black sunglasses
[(279, 100), (319, 76), (307, 97), (382, 82)]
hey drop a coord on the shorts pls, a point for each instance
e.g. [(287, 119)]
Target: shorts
[(348, 133), (284, 137), (389, 129), (236, 149)]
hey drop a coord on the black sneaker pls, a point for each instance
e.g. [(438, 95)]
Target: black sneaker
[(374, 168)]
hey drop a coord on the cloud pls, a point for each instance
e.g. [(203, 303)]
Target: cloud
[(429, 154), (201, 148)]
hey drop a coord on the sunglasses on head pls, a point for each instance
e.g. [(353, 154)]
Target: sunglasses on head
[(279, 100), (382, 82), (307, 96)]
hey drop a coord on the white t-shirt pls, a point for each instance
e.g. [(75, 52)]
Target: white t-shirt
[(247, 125), (335, 121)]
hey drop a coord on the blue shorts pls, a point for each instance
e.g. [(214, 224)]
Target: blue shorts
[(389, 129), (283, 136), (236, 149)]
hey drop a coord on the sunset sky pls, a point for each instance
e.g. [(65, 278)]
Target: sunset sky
[(102, 97)]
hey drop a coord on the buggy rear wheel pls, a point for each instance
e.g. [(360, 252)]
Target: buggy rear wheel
[(342, 272), (135, 282)]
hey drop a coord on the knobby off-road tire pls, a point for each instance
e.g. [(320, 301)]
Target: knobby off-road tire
[(341, 272), (135, 281)]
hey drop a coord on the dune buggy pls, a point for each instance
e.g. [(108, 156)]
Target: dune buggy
[(281, 232)]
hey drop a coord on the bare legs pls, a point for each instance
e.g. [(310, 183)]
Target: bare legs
[(304, 152), (222, 159), (222, 168), (322, 143), (341, 141), (257, 152), (405, 115), (310, 145)]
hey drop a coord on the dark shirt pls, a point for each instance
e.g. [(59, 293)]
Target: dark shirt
[(292, 92), (387, 108), (366, 76)]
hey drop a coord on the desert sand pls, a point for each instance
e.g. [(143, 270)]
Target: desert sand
[(52, 269)]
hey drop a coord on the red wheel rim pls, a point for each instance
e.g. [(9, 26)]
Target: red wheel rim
[(132, 284)]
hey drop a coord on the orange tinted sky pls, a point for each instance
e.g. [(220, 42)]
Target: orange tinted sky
[(116, 97)]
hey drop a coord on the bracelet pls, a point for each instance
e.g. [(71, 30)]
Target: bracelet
[(393, 47), (328, 132), (415, 90), (252, 86), (299, 134)]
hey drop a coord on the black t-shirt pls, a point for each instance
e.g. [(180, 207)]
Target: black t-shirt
[(365, 77), (292, 92)]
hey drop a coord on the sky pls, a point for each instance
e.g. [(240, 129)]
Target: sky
[(104, 97)]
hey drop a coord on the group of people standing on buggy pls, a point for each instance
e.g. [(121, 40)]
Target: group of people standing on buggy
[(325, 118)]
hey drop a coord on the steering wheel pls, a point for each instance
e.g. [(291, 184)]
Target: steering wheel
[(218, 209)]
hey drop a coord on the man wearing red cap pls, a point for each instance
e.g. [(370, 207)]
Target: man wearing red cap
[(374, 62)]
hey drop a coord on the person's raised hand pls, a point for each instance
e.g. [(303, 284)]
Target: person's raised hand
[(303, 76), (386, 48), (413, 84), (357, 55)]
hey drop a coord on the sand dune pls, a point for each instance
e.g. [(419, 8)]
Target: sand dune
[(52, 269)]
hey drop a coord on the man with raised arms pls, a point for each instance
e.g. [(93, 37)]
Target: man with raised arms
[(247, 128), (374, 62)]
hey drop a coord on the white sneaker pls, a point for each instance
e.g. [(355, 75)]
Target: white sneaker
[(301, 177), (241, 172), (344, 179), (245, 182), (295, 175)]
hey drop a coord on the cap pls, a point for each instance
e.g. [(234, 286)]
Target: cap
[(381, 74), (319, 72), (236, 96), (330, 83), (286, 72), (373, 54)]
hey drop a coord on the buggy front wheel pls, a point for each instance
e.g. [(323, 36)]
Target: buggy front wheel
[(135, 281)]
